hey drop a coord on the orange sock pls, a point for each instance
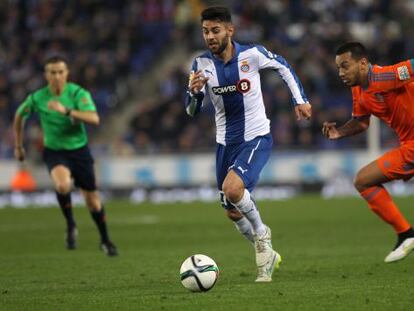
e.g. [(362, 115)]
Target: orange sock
[(381, 203)]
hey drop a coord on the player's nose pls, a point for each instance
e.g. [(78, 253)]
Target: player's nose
[(210, 37)]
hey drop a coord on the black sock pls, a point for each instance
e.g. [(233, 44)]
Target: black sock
[(406, 234), (99, 218), (65, 203)]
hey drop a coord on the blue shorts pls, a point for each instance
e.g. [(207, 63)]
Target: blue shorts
[(78, 161), (246, 160)]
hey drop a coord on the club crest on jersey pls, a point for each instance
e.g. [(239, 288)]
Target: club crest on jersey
[(403, 73), (245, 66), (242, 86)]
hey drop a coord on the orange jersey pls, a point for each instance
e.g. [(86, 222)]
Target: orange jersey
[(389, 96)]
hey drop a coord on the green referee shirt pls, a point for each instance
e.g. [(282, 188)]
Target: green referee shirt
[(59, 132)]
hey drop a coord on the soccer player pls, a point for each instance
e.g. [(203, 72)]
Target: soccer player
[(388, 93), (63, 108), (229, 73)]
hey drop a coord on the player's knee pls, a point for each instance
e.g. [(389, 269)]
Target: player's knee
[(234, 214), (94, 206), (233, 193), (359, 183), (63, 187), (93, 202)]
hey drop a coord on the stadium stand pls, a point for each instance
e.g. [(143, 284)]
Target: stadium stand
[(104, 41), (307, 34), (109, 41)]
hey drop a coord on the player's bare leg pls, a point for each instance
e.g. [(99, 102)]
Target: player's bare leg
[(60, 175), (266, 258), (94, 204), (368, 176), (369, 182)]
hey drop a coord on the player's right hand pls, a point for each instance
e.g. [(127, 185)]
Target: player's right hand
[(196, 81), (330, 131), (19, 153)]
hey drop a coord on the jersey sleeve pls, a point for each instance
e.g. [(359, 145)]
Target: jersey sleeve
[(27, 107), (270, 60), (358, 110), (84, 101), (392, 77)]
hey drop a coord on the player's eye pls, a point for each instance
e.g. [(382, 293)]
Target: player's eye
[(345, 65)]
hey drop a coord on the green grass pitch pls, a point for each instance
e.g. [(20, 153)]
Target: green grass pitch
[(332, 250)]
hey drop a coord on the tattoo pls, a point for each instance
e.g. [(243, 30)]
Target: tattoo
[(354, 126)]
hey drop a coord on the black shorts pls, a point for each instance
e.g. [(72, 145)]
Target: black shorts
[(78, 161)]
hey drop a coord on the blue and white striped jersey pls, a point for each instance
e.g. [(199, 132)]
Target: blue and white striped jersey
[(235, 91)]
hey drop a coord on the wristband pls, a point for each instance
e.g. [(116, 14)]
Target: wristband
[(68, 111)]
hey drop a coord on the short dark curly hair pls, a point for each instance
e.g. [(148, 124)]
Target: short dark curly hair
[(357, 50), (219, 13)]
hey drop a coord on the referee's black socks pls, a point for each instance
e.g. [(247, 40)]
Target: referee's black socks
[(65, 203), (99, 218)]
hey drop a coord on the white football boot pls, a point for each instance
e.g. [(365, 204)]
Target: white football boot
[(402, 251), (266, 258)]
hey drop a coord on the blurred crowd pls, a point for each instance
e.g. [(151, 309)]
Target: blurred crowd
[(104, 41), (307, 34), (108, 40)]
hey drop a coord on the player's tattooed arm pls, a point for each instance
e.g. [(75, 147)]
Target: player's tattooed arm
[(196, 83), (352, 127)]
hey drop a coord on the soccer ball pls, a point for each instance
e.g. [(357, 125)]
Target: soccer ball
[(199, 273)]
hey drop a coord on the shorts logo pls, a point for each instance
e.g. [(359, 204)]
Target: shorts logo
[(242, 170), (244, 66), (403, 73), (242, 86)]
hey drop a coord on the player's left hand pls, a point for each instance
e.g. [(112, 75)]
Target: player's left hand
[(303, 111), (196, 81), (56, 106)]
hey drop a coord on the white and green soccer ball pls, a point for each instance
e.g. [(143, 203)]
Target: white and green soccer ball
[(199, 273)]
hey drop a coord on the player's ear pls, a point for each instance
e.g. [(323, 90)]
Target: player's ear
[(364, 63), (230, 29), (67, 68), (364, 60)]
